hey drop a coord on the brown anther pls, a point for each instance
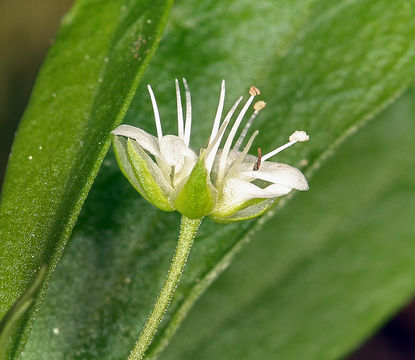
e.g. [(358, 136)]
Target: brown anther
[(258, 162), (259, 105), (253, 91)]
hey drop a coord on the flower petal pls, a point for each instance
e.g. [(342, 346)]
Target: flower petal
[(277, 190), (184, 173), (236, 191), (173, 151), (242, 200), (146, 141), (277, 173)]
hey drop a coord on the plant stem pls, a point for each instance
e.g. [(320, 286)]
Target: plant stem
[(188, 230)]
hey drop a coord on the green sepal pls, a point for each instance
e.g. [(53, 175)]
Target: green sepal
[(120, 149), (197, 197), (141, 172), (148, 175), (245, 211)]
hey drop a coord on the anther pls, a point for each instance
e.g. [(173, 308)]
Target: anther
[(253, 91), (299, 136), (258, 162), (259, 105), (296, 136)]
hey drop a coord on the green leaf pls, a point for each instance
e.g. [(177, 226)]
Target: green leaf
[(331, 268), (324, 66), (17, 311), (83, 90)]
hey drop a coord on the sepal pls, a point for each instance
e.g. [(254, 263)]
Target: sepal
[(243, 211), (142, 172), (197, 196), (120, 149), (149, 176)]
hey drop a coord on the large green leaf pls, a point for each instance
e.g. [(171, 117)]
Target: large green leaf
[(83, 90), (323, 66), (330, 268)]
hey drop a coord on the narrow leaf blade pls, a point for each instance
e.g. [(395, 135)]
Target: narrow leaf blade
[(83, 90)]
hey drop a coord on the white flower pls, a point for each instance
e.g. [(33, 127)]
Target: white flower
[(227, 184)]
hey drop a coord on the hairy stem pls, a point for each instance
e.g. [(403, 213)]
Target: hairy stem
[(188, 230)]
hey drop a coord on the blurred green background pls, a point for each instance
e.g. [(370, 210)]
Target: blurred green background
[(27, 29)]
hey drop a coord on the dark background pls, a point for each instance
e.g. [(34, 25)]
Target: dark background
[(27, 28)]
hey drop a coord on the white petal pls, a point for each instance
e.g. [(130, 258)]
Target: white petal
[(173, 150), (276, 190), (236, 195), (278, 173), (236, 191), (146, 141), (184, 172)]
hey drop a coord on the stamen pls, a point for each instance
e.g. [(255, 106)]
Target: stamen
[(156, 113), (228, 143), (258, 106), (218, 113), (235, 167), (258, 162), (297, 136), (214, 145), (188, 125), (180, 122), (300, 136), (254, 91)]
